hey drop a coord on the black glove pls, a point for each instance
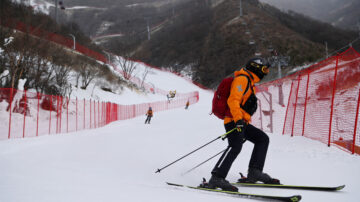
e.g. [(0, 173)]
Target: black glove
[(241, 127)]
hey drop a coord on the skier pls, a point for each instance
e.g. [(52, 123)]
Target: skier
[(187, 105), (171, 95), (242, 103), (149, 114)]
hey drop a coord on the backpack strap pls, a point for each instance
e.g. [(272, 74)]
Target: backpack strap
[(248, 84), (248, 73)]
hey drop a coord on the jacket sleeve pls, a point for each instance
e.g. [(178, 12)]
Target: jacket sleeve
[(238, 87)]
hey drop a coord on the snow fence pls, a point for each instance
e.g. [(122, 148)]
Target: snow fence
[(31, 114), (322, 102)]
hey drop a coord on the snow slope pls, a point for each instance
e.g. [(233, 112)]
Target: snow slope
[(118, 162)]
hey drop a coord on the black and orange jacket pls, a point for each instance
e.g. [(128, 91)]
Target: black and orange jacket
[(149, 112), (237, 96)]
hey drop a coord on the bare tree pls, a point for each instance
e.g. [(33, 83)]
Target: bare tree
[(88, 73), (61, 74), (77, 78), (143, 77), (127, 66), (40, 70), (16, 57)]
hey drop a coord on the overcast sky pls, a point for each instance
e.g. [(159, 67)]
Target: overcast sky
[(314, 8)]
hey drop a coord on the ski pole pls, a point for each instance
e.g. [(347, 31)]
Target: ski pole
[(221, 136), (204, 162)]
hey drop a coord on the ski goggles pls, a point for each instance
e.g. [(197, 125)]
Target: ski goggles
[(264, 68)]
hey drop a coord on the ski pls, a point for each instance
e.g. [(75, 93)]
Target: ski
[(245, 183), (282, 186), (294, 198)]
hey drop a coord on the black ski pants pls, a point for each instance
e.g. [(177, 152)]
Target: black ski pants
[(258, 156), (148, 119)]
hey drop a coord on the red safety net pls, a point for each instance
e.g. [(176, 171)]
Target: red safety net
[(323, 103), (30, 114)]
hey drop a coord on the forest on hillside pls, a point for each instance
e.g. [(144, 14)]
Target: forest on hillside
[(46, 67)]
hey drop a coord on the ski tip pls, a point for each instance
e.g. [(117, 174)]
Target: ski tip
[(295, 198), (340, 187), (173, 184)]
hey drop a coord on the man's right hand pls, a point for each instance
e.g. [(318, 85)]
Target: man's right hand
[(241, 127)]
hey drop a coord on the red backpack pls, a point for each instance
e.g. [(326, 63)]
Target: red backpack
[(219, 103)]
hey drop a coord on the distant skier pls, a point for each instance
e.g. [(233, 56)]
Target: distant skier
[(149, 114), (242, 103), (187, 104), (171, 95)]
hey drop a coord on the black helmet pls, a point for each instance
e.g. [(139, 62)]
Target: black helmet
[(258, 66)]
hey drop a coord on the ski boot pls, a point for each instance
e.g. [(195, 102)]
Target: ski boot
[(219, 182), (255, 175)]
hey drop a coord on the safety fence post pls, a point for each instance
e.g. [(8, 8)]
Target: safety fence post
[(61, 106), (90, 112), (76, 114), (333, 98), (98, 113), (84, 114), (113, 110), (94, 114), (110, 106), (51, 104), (102, 113), (67, 114), (24, 106), (117, 112), (107, 113), (356, 121), (133, 111), (306, 97), (287, 108), (57, 114), (297, 94), (10, 105), (37, 116), (261, 121)]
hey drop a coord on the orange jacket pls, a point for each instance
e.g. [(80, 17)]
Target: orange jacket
[(237, 96), (149, 113)]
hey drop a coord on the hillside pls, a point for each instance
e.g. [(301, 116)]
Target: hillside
[(215, 41)]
